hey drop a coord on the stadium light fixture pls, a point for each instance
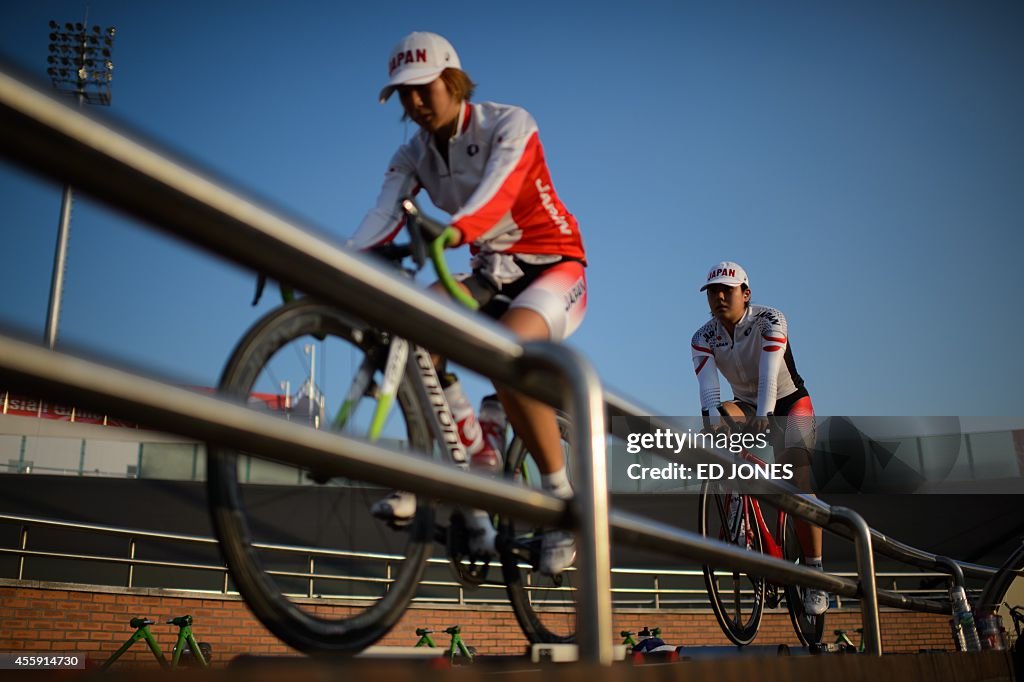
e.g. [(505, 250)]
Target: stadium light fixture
[(84, 70)]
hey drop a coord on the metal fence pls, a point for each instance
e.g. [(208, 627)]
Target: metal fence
[(47, 136), (638, 588)]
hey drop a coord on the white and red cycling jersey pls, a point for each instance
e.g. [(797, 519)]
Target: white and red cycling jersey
[(496, 186), (756, 360)]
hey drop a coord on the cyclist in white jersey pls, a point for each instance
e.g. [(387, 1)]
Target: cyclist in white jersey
[(484, 164), (749, 345)]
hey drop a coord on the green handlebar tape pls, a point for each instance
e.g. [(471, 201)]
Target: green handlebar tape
[(449, 237)]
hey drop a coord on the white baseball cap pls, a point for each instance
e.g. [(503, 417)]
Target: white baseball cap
[(728, 273), (418, 58)]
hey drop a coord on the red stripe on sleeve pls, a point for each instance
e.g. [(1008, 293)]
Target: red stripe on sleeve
[(703, 362), (390, 235), (701, 349), (772, 349), (780, 339)]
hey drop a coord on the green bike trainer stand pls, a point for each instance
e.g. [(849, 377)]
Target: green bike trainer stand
[(141, 625), (456, 647)]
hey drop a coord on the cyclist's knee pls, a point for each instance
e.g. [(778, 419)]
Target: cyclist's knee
[(526, 324), (733, 409), (797, 456)]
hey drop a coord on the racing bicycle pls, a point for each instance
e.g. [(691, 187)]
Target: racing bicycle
[(313, 363), (738, 598)]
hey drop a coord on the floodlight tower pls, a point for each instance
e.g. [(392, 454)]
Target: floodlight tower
[(79, 65)]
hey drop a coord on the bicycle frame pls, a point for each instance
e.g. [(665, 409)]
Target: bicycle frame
[(750, 503), (417, 363), (430, 393), (399, 365), (752, 507)]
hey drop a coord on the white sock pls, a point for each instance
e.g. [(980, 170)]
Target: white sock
[(813, 562), (557, 483)]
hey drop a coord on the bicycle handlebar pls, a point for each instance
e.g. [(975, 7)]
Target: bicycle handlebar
[(440, 236), (736, 427)]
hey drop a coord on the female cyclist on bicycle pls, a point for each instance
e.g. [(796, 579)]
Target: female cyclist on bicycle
[(750, 345), (483, 163)]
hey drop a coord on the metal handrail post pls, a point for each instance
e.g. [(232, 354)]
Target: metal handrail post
[(21, 556), (131, 561), (866, 573), (590, 503), (953, 568)]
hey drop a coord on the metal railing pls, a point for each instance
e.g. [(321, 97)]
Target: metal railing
[(654, 594), (45, 135)]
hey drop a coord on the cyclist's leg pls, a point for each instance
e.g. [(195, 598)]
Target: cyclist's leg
[(796, 443), (797, 446), (550, 308), (533, 420), (535, 423), (810, 536)]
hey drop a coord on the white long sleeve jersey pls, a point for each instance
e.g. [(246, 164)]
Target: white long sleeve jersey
[(496, 186), (756, 360)]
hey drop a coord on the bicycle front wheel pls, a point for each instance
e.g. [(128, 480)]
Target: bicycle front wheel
[(289, 536), (545, 608), (737, 597)]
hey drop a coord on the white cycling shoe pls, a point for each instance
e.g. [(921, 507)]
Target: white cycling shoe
[(557, 552), (815, 602), (398, 508), (482, 534)]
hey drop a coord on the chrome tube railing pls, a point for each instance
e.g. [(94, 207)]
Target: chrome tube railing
[(656, 595), (49, 137), (44, 134)]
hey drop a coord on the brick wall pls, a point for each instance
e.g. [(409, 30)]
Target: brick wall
[(94, 621)]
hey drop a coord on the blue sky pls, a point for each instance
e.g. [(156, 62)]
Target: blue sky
[(863, 161)]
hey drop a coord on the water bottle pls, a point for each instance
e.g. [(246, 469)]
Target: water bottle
[(964, 619), (990, 628), (462, 411), (958, 634), (493, 426), (494, 422)]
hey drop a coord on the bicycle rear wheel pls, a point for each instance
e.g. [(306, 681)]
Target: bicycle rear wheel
[(809, 629), (737, 598), (545, 608), (370, 568)]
